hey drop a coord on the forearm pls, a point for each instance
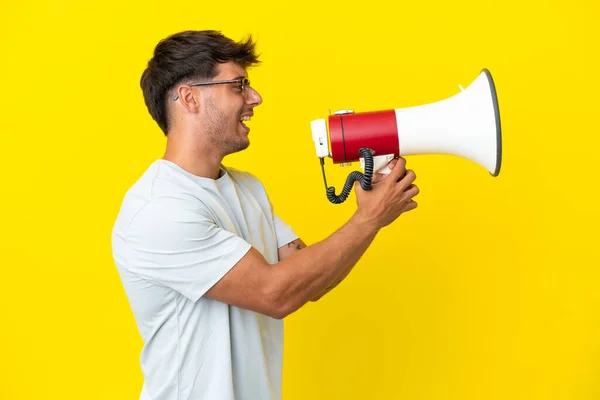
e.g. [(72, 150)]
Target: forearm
[(306, 274), (363, 248)]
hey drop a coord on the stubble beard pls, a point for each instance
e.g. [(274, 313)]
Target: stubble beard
[(223, 130)]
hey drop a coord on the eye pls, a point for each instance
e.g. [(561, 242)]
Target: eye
[(243, 86)]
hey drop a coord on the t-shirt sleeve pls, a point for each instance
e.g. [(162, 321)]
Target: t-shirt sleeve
[(177, 244), (284, 231)]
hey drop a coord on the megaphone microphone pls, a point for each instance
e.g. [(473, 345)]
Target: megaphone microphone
[(466, 125)]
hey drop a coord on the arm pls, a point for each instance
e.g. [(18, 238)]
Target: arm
[(298, 244), (295, 245), (278, 290)]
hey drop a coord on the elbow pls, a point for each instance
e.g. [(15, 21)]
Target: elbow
[(279, 309), (278, 314), (277, 305)]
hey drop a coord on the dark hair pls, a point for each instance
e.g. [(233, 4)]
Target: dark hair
[(185, 56)]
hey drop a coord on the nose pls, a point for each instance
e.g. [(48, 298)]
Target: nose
[(253, 97)]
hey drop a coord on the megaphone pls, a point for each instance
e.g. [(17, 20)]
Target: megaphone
[(466, 125)]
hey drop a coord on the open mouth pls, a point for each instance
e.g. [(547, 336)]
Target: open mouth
[(245, 118)]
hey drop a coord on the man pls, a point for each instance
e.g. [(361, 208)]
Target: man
[(209, 269)]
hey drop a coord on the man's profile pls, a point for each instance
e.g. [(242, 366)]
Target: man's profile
[(209, 268)]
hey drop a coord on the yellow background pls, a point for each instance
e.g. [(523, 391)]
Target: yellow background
[(489, 290)]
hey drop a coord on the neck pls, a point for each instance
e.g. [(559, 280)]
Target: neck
[(196, 158)]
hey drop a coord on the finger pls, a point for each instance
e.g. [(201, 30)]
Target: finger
[(398, 170), (411, 186), (392, 163), (408, 178), (411, 192), (410, 205)]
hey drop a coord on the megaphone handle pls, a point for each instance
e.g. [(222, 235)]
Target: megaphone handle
[(385, 170), (380, 163)]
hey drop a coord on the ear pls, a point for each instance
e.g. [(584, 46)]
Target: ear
[(188, 98)]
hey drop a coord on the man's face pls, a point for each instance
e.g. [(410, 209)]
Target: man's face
[(226, 108)]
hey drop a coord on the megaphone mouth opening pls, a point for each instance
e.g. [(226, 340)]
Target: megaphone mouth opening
[(498, 126)]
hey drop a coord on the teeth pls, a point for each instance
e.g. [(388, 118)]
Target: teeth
[(245, 118)]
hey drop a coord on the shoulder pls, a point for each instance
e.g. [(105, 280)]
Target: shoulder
[(248, 181), (160, 194), (243, 176), (161, 223)]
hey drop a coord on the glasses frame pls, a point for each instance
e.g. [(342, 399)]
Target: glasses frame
[(245, 83)]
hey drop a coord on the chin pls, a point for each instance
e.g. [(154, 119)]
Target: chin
[(237, 147), (245, 145)]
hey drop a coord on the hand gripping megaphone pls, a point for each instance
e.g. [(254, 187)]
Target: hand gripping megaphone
[(466, 125)]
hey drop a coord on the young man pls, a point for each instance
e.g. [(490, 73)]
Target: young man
[(209, 269)]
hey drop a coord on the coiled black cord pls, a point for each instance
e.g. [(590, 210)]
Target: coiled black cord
[(365, 179)]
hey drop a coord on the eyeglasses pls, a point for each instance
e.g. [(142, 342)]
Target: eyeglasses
[(244, 84)]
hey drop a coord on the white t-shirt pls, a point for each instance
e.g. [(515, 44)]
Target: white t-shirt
[(175, 236)]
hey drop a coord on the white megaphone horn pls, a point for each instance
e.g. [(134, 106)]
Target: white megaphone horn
[(466, 125)]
